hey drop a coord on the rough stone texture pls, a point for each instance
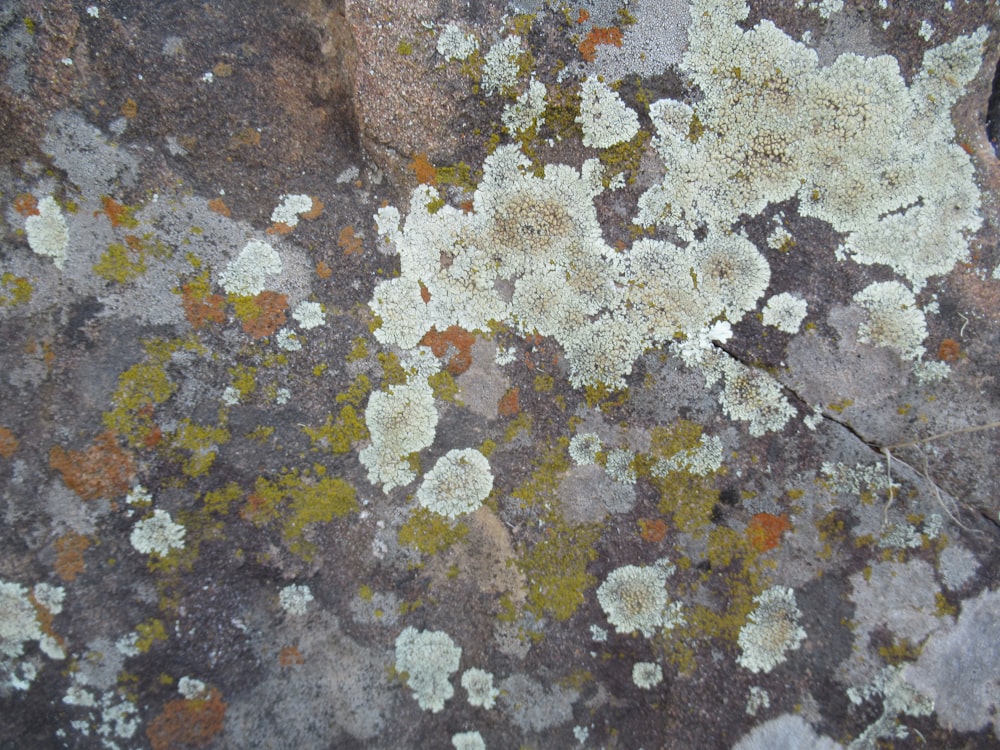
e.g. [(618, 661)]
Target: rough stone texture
[(167, 133)]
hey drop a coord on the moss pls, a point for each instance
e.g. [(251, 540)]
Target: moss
[(219, 502), (201, 442), (404, 47), (520, 423), (556, 567), (544, 383), (122, 263), (392, 370), (444, 386), (149, 632), (624, 158), (14, 290), (300, 499), (429, 532), (359, 350)]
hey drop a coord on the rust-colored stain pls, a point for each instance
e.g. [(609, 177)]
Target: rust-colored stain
[(510, 404), (456, 338), (26, 204), (349, 242), (949, 350), (219, 206), (270, 314), (187, 722), (653, 529), (597, 36), (765, 529), (290, 656), (69, 555), (8, 442), (104, 469)]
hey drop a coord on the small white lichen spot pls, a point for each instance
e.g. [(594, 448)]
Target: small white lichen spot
[(46, 231), (400, 421), (139, 496), (459, 482), (247, 273), (288, 340), (785, 312), (231, 396), (295, 598), (635, 598), (468, 741), (647, 674), (429, 658), (309, 314), (584, 447), (771, 630), (894, 320), (18, 622), (455, 44), (581, 734), (757, 700), (157, 534), (619, 466), (926, 29), (93, 11), (49, 596), (190, 688), (291, 206), (604, 118), (478, 683)]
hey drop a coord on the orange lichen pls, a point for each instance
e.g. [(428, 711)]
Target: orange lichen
[(246, 137), (269, 314), (349, 242), (129, 109), (949, 350), (69, 555), (187, 721), (584, 16), (323, 270), (201, 308), (456, 340), (510, 404), (653, 529), (26, 204), (315, 211), (599, 35), (423, 170), (765, 529), (8, 443), (425, 293), (102, 470), (290, 656), (279, 227), (119, 215), (219, 206)]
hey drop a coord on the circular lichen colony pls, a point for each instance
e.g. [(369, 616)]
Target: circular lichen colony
[(635, 598), (458, 483)]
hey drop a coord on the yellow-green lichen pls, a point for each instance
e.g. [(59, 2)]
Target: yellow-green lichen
[(443, 385), (149, 632), (201, 442), (300, 499), (430, 533), (14, 290), (555, 567)]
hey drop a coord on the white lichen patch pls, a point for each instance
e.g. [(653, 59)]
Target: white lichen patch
[(309, 314), (604, 118), (290, 208), (455, 44), (400, 421), (750, 395), (785, 312), (47, 232), (771, 630), (647, 675), (703, 459), (459, 482), (774, 125), (635, 598), (18, 623), (478, 683), (526, 110), (246, 275), (500, 65), (584, 447), (295, 598), (157, 534), (428, 658), (893, 319), (468, 741)]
